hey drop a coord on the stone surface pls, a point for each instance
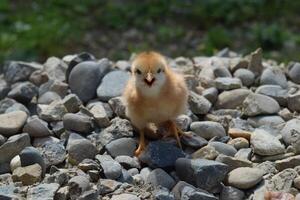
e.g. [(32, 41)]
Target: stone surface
[(122, 146), (228, 83), (28, 175), (244, 177), (23, 92), (232, 99), (193, 140), (125, 197), (208, 129), (20, 71), (52, 112), (282, 181), (290, 162), (293, 101), (239, 143), (245, 75), (208, 152), (231, 193), (112, 85), (198, 104), (11, 123), (225, 149), (211, 94), (159, 177), (273, 76), (294, 72), (232, 162), (36, 127), (274, 91), (78, 185), (291, 131), (43, 191), (78, 123)]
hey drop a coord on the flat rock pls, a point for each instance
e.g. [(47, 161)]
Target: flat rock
[(112, 85), (48, 97), (159, 177), (293, 101), (227, 83), (206, 174), (207, 152), (232, 99), (36, 127), (23, 92), (88, 70), (236, 133), (291, 131), (244, 177), (78, 185), (128, 162), (257, 104), (28, 175), (52, 112), (294, 72), (122, 146), (233, 162), (208, 129), (159, 154), (282, 181), (273, 76), (274, 91), (211, 94), (290, 162), (265, 144), (198, 104), (223, 148), (193, 140), (239, 143), (45, 191), (268, 120), (231, 193), (11, 123), (78, 123), (246, 76), (125, 197)]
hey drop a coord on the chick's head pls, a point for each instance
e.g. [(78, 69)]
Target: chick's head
[(149, 72)]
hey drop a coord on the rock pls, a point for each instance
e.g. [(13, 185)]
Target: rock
[(78, 185), (183, 122), (198, 104), (290, 162), (62, 193), (244, 154), (23, 92), (192, 140), (2, 139), (228, 83), (11, 123), (4, 88), (53, 151), (236, 133), (222, 72), (232, 162), (297, 182), (128, 162), (42, 191), (182, 65), (163, 194), (28, 175), (282, 181), (294, 72), (20, 71), (52, 112), (211, 94), (13, 146), (159, 177), (255, 62), (118, 106), (125, 177), (208, 152), (112, 85), (279, 195), (208, 129), (273, 76), (267, 167), (291, 131), (36, 127), (123, 65), (39, 77), (91, 194), (78, 123), (111, 168), (246, 76), (265, 144), (232, 99), (122, 146), (269, 121), (294, 102), (274, 91), (239, 143), (156, 153), (87, 70), (244, 177), (56, 86), (257, 104), (8, 105), (100, 115), (222, 148), (125, 196), (55, 68), (79, 149), (72, 103), (231, 193), (48, 97), (108, 186)]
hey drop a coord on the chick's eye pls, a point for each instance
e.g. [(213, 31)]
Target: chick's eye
[(138, 71), (159, 70)]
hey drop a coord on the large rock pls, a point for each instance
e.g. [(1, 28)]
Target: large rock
[(11, 123), (111, 168), (273, 76), (52, 112), (232, 162), (290, 162), (232, 193), (293, 102), (28, 175), (223, 148), (267, 121), (78, 185), (291, 131), (232, 99), (42, 191), (245, 177), (122, 146), (36, 127), (257, 104), (159, 177), (266, 144), (208, 129), (23, 92), (13, 146), (85, 78), (112, 85), (56, 68), (161, 154), (255, 62), (282, 181), (205, 174), (198, 104), (246, 76), (78, 122), (294, 72), (227, 83), (274, 91)]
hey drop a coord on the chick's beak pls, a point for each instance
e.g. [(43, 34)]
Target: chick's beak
[(149, 79)]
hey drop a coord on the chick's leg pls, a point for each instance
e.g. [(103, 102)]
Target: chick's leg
[(142, 144), (173, 131)]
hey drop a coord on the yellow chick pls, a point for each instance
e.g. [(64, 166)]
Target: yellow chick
[(154, 94)]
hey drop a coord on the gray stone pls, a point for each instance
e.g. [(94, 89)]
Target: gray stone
[(293, 101), (294, 72), (87, 70), (239, 143), (125, 196), (4, 88), (163, 194), (207, 152), (231, 193), (282, 181), (78, 123), (244, 177), (244, 154), (118, 106), (72, 103), (222, 148), (159, 177), (2, 139), (232, 99), (89, 195), (228, 83), (56, 86), (8, 105), (111, 169), (36, 127), (255, 62), (274, 91), (291, 131), (42, 191), (211, 94), (269, 120), (62, 193), (122, 146), (183, 122), (55, 68), (28, 175), (208, 129), (13, 146), (11, 123), (23, 92), (39, 77), (78, 185), (107, 186), (290, 162), (232, 162), (193, 140), (206, 174), (267, 167), (52, 112), (128, 162), (198, 104), (112, 85), (246, 76), (273, 76), (100, 115), (257, 104), (48, 97), (265, 144), (222, 72)]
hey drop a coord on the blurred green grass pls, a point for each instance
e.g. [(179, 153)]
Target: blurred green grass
[(37, 29)]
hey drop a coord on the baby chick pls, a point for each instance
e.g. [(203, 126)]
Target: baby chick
[(154, 94)]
